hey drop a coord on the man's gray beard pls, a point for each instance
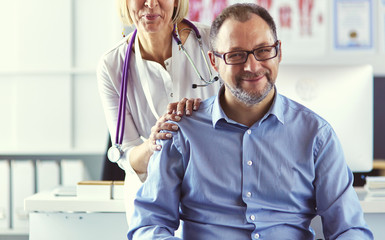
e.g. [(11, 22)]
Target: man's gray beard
[(250, 98)]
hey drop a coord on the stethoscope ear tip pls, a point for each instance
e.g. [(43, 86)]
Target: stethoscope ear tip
[(216, 78)]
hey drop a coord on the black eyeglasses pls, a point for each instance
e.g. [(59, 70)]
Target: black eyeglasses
[(240, 57)]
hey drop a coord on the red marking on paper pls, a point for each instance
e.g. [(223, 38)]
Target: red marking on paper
[(305, 16), (217, 6), (285, 16), (195, 10), (265, 3)]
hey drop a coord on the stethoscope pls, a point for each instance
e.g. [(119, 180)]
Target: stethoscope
[(115, 151)]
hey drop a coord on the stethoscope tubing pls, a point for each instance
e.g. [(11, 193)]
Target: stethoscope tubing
[(199, 38), (126, 66), (123, 93), (191, 25)]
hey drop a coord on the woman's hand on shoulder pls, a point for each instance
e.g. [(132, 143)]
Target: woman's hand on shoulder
[(174, 113), (160, 125), (184, 106)]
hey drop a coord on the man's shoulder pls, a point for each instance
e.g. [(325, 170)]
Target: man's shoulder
[(208, 103), (199, 117), (300, 111)]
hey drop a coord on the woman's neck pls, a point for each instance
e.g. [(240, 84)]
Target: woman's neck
[(156, 46)]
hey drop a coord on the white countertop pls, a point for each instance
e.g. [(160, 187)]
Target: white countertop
[(49, 202)]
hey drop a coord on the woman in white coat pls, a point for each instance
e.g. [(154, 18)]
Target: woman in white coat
[(159, 73)]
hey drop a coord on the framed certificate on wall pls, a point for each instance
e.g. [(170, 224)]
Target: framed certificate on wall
[(353, 25)]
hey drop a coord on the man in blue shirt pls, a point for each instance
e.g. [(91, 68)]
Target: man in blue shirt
[(250, 163)]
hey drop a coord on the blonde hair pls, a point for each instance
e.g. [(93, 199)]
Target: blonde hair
[(180, 12)]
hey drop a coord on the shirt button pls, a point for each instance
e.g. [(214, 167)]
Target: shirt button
[(248, 194), (249, 131), (252, 217), (249, 163), (171, 94), (256, 236)]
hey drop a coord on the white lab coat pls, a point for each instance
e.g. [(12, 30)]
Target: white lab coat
[(150, 89)]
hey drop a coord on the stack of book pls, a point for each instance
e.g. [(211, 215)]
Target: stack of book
[(100, 190), (375, 187)]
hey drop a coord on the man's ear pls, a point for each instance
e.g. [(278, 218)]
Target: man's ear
[(280, 51), (212, 60)]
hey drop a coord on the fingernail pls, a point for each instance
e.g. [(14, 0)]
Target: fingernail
[(169, 135), (195, 108), (177, 118), (175, 127), (188, 112), (179, 113), (158, 147)]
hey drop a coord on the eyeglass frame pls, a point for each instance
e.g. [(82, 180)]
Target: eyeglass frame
[(276, 45)]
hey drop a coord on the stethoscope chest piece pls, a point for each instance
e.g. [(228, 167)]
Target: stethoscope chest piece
[(114, 153)]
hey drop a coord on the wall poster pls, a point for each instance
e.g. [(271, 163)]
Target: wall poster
[(301, 24)]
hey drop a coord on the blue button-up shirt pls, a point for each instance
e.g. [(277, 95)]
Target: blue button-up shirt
[(225, 180)]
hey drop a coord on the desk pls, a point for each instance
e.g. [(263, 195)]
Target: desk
[(374, 214), (63, 218), (69, 217)]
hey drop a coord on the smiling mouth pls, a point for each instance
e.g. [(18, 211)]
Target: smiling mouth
[(253, 79), (151, 17)]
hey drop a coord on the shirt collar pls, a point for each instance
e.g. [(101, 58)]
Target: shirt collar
[(218, 113), (276, 109)]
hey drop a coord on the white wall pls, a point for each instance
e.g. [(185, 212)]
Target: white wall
[(49, 104), (49, 52)]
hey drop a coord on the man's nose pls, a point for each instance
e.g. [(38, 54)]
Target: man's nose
[(251, 63)]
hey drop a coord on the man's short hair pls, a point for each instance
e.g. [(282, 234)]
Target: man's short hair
[(241, 12)]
